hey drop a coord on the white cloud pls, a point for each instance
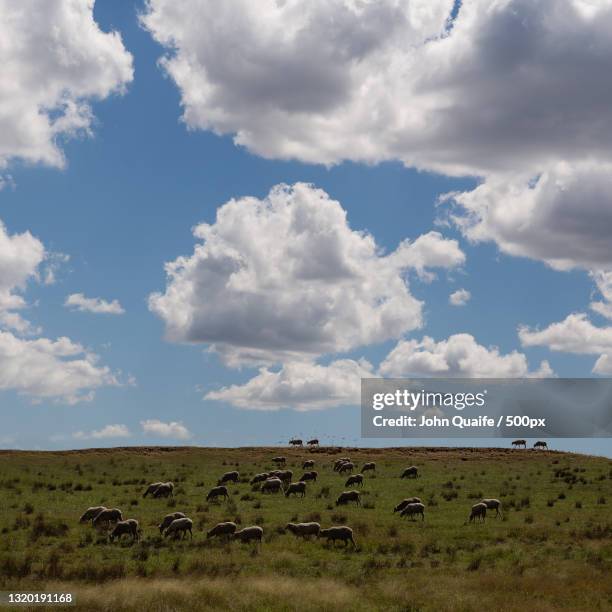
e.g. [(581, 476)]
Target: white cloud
[(78, 301), (46, 369), (54, 60), (575, 334), (459, 298), (603, 280), (458, 356), (174, 429), (299, 385), (563, 217), (511, 84), (108, 431), (285, 278), (20, 258)]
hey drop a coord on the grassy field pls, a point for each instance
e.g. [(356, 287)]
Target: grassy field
[(552, 550)]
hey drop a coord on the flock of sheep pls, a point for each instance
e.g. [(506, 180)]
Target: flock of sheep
[(177, 524)]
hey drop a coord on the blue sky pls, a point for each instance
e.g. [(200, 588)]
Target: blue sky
[(130, 193)]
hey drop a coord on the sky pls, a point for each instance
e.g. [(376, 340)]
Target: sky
[(216, 220)]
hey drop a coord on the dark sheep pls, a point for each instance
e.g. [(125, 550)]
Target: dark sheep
[(222, 529), (355, 479), (349, 496), (410, 472), (90, 513), (479, 510), (217, 492), (129, 527), (405, 502), (168, 519), (312, 476), (229, 477), (368, 466), (414, 509), (296, 487), (343, 533)]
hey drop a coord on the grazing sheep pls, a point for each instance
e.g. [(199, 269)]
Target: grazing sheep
[(540, 444), (164, 490), (217, 492), (229, 477), (410, 472), (275, 473), (493, 504), (368, 466), (295, 488), (259, 477), (152, 488), (303, 529), (338, 463), (309, 476), (279, 460), (347, 466), (296, 442), (309, 463), (349, 496), (248, 534), (313, 442), (168, 519), (285, 475), (479, 510), (518, 443), (222, 529), (338, 533), (405, 502), (107, 516), (355, 479), (122, 527), (272, 485), (180, 525), (90, 513), (413, 509)]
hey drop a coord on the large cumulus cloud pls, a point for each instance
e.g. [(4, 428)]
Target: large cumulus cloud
[(285, 277)]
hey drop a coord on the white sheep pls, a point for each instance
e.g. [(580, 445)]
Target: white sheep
[(303, 530), (493, 504), (405, 502), (296, 487), (343, 533), (180, 525), (479, 510), (272, 485), (414, 509), (222, 529), (168, 519), (248, 534), (129, 527), (90, 513)]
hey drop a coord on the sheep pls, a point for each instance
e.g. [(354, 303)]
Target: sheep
[(412, 509), (313, 442), (493, 504), (347, 466), (295, 488), (338, 463), (248, 534), (164, 490), (355, 479), (168, 519), (122, 527), (368, 466), (222, 529), (312, 475), (217, 492), (279, 460), (303, 529), (309, 463), (259, 477), (479, 510), (410, 472), (518, 443), (180, 525), (296, 442), (91, 513), (285, 475), (540, 444), (152, 488), (272, 485), (338, 533), (275, 474), (107, 516), (229, 477), (349, 496), (405, 502)]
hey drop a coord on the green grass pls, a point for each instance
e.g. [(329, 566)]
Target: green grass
[(553, 549)]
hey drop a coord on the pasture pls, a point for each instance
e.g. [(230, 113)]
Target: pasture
[(551, 550)]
